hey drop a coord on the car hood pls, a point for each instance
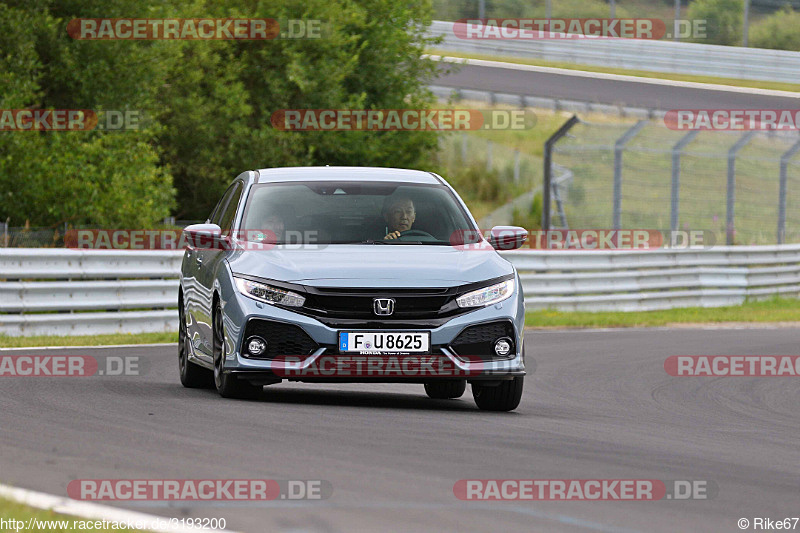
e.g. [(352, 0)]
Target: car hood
[(372, 265)]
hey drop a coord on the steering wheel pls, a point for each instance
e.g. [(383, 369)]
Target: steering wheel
[(415, 233)]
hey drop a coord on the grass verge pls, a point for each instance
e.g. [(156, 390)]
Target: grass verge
[(756, 84), (773, 310), (87, 340), (40, 520)]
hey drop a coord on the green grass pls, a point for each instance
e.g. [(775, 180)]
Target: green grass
[(87, 340), (773, 310), (10, 510), (757, 84)]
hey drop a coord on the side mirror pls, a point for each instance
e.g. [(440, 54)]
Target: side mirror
[(203, 236), (507, 237)]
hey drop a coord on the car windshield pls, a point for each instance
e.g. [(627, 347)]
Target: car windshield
[(353, 213)]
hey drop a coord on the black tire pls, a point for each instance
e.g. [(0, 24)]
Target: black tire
[(192, 375), (228, 385), (503, 397), (446, 390)]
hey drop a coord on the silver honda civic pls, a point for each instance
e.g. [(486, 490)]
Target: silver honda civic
[(350, 274)]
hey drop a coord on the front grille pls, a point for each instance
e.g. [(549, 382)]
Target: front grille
[(342, 305), (282, 339), (479, 339)]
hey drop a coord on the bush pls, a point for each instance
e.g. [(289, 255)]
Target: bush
[(532, 219), (723, 20), (777, 31), (475, 183)]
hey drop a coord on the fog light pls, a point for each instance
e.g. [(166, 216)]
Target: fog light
[(256, 345), (502, 346)]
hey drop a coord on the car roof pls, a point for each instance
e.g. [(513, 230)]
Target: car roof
[(271, 175)]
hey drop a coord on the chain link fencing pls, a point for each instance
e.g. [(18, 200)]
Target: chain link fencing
[(742, 186)]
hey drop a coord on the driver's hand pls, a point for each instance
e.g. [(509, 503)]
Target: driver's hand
[(392, 235)]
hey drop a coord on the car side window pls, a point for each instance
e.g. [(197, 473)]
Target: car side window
[(228, 214), (216, 215)]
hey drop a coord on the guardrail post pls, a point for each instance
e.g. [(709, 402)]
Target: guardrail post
[(548, 168), (731, 194), (782, 193), (618, 146), (676, 177)]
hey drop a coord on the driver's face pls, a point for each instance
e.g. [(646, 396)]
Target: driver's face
[(401, 215)]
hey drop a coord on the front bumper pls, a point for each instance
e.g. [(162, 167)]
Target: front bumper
[(238, 310)]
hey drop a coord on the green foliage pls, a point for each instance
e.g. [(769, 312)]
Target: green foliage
[(476, 184), (532, 219), (723, 20), (208, 103), (111, 179), (225, 94), (459, 9), (777, 31)]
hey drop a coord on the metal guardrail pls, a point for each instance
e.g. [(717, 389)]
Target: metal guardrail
[(616, 280), (652, 55), (68, 292), (47, 291)]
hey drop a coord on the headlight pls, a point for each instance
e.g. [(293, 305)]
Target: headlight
[(267, 294), (488, 295)]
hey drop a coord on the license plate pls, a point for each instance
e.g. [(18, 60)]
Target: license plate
[(382, 342)]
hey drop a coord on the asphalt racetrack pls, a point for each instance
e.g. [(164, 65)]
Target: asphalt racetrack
[(599, 405), (590, 87)]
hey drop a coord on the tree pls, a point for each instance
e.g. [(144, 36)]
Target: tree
[(723, 20), (111, 179), (777, 31)]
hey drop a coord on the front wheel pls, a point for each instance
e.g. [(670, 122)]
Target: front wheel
[(228, 386), (503, 397), (446, 390), (192, 376)]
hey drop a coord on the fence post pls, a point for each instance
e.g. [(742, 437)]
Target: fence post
[(618, 146), (516, 166), (676, 177), (782, 193), (731, 194), (5, 233), (548, 168)]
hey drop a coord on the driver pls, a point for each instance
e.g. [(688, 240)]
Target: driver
[(399, 213)]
